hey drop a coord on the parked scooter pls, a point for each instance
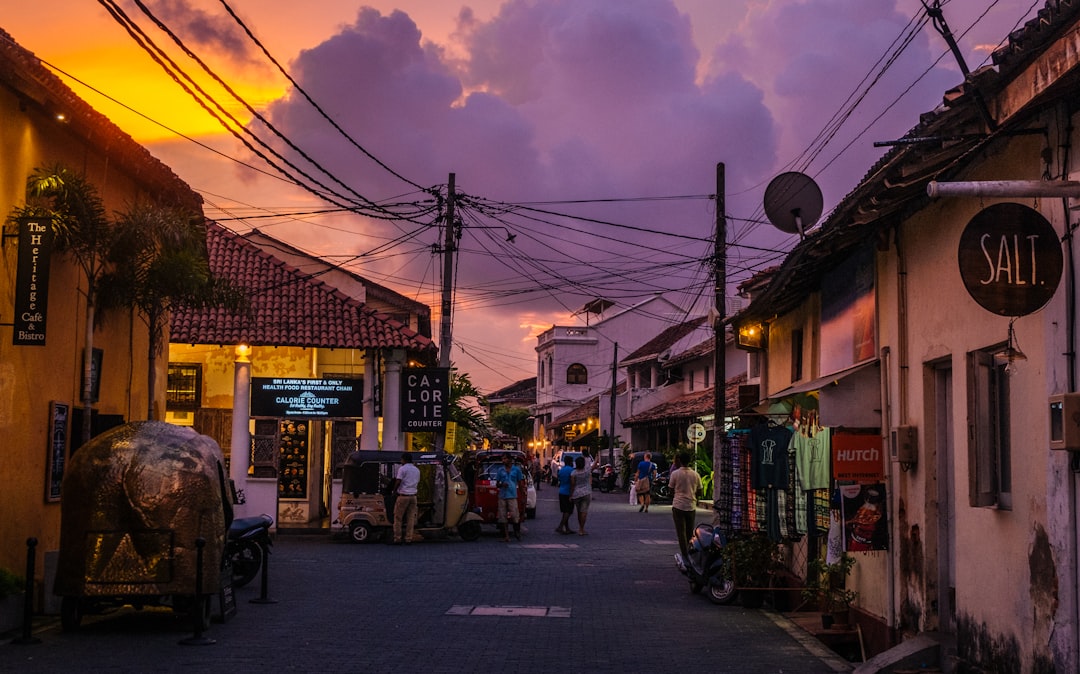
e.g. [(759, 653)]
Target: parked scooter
[(248, 540), (705, 567), (603, 478), (661, 491)]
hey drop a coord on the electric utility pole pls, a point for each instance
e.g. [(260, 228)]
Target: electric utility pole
[(449, 246), (719, 356)]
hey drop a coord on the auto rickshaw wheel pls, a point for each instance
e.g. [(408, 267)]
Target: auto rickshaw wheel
[(71, 613), (469, 531), (361, 532)]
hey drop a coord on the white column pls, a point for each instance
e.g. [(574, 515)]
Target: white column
[(393, 438), (241, 437), (369, 436)]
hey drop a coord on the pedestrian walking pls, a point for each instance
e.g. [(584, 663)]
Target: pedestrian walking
[(581, 491), (406, 481), (643, 486), (534, 468), (506, 479), (566, 504), (686, 484)]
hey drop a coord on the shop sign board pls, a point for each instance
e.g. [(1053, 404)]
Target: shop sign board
[(425, 399), (306, 398), (1010, 259), (857, 457), (31, 300)]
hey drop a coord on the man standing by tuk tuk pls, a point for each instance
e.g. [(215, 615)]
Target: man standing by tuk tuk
[(507, 479), (406, 481)]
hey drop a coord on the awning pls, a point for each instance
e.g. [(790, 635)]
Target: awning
[(822, 382)]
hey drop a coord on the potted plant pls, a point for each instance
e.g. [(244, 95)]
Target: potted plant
[(826, 585), (752, 559), (11, 599)]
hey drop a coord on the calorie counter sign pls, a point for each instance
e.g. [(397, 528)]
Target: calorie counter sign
[(425, 398)]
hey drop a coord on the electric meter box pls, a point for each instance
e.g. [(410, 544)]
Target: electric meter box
[(1065, 421), (904, 444)]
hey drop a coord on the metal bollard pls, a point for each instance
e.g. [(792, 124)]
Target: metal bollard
[(198, 639), (28, 596), (262, 598)]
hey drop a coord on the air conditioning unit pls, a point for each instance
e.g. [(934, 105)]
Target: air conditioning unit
[(1065, 421)]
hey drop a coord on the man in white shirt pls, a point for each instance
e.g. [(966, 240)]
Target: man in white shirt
[(406, 480), (686, 484)]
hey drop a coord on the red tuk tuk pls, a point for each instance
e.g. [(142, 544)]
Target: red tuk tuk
[(481, 470)]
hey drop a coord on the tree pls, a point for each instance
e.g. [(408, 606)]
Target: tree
[(513, 421), (158, 261), (83, 232)]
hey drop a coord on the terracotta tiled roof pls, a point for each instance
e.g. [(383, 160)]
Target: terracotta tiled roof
[(287, 308), (589, 408), (689, 406), (523, 391), (664, 340)]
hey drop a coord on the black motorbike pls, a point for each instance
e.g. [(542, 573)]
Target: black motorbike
[(247, 542), (603, 478), (661, 491), (705, 567)]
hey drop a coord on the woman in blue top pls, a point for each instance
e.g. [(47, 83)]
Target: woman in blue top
[(643, 486), (566, 505)]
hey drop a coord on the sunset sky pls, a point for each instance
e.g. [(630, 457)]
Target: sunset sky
[(585, 133)]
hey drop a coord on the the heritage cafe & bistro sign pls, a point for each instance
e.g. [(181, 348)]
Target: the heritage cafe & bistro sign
[(1010, 259), (306, 398), (425, 399), (32, 281)]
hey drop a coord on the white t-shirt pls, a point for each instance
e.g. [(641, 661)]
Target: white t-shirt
[(410, 479)]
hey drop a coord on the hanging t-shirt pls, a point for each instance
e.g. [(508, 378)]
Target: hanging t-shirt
[(812, 453), (770, 449)]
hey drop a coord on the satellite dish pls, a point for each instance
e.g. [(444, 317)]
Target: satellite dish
[(793, 202)]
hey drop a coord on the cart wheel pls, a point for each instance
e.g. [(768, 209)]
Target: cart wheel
[(71, 613), (360, 532), (469, 531)]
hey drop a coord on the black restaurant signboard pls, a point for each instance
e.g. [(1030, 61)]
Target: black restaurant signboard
[(306, 398), (425, 398), (1010, 259), (32, 282)]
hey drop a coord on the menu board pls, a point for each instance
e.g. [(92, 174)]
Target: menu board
[(293, 459)]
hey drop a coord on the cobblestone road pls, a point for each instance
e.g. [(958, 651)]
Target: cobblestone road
[(611, 601)]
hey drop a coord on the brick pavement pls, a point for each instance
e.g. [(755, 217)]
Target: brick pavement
[(611, 601)]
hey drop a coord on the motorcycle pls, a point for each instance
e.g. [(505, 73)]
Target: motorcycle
[(704, 565), (661, 491), (247, 541), (603, 478)]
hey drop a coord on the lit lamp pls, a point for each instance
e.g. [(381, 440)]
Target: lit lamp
[(1011, 354), (242, 353), (750, 336)]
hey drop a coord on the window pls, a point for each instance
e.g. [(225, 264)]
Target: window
[(690, 381), (541, 378), (796, 355), (184, 389), (989, 454), (577, 374), (706, 382)]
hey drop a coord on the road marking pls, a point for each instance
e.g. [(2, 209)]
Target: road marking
[(511, 611), (656, 541), (549, 546)]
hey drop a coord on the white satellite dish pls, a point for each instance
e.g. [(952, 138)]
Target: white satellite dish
[(793, 202)]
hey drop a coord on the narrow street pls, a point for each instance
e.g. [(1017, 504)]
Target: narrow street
[(611, 601)]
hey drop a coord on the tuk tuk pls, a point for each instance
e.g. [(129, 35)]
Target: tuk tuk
[(484, 491), (135, 502), (366, 508)]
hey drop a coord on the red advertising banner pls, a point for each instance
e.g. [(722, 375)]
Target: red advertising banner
[(857, 457)]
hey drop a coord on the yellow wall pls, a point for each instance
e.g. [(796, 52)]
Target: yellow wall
[(32, 376)]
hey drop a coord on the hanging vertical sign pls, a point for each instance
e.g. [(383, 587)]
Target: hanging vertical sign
[(1010, 259), (425, 399), (32, 282)]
